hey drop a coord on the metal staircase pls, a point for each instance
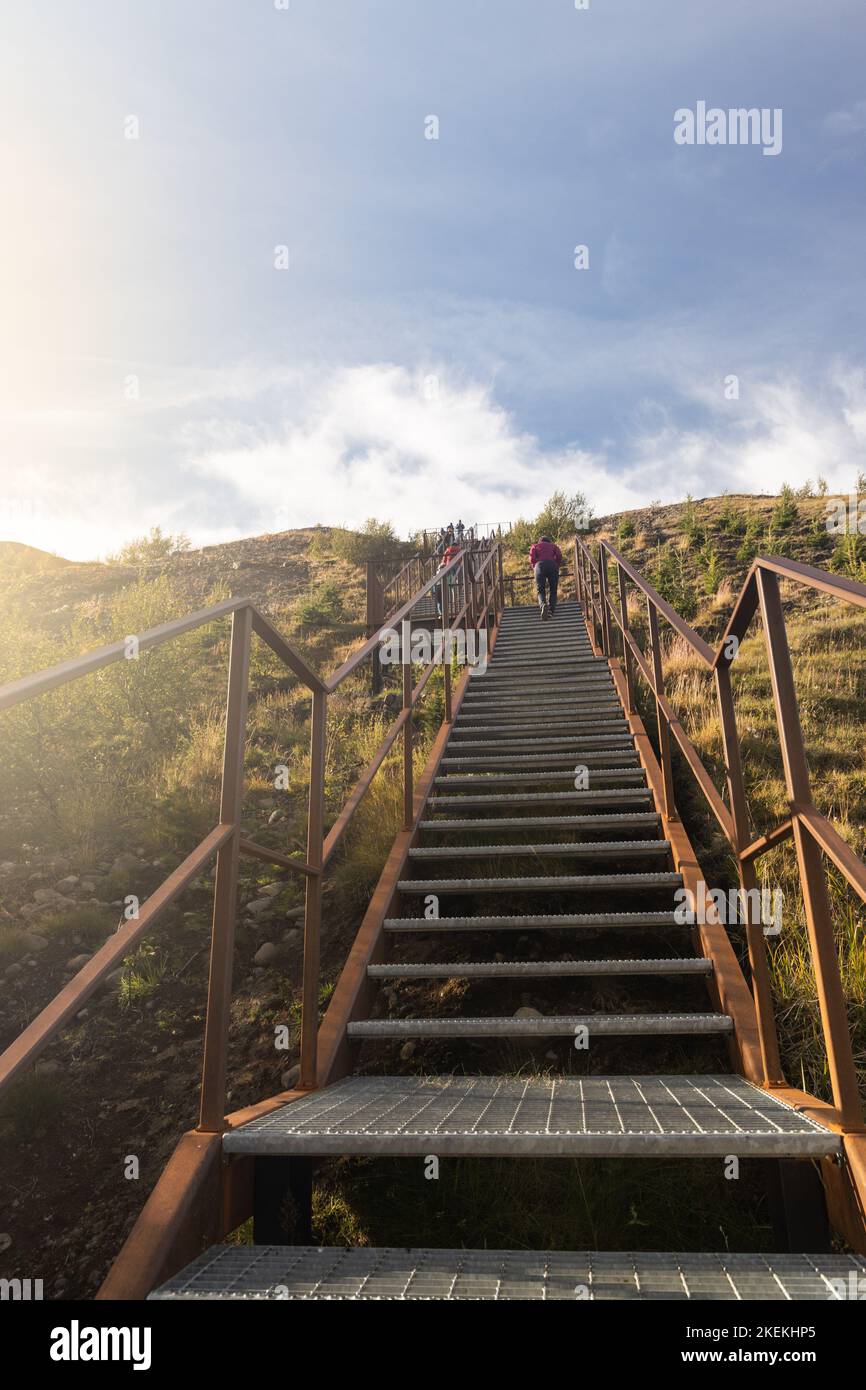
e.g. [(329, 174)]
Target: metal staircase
[(539, 860)]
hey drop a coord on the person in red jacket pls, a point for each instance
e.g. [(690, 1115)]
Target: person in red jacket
[(546, 558)]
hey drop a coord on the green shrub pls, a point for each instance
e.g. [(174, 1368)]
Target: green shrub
[(786, 511)]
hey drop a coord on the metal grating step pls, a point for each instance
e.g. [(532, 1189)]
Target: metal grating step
[(491, 1116), (617, 796), (287, 1272), (589, 848), (565, 730), (622, 748), (552, 1026), (624, 821), (538, 969), (592, 921), (542, 745), (455, 780), (564, 883)]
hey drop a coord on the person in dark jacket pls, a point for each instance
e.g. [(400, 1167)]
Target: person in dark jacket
[(546, 558)]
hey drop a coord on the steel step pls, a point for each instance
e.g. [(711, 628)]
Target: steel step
[(615, 739), (558, 706), (545, 921), (626, 821), (552, 1026), (492, 1116), (624, 749), (539, 969), (626, 773), (564, 883), (539, 745), (616, 796), (591, 849), (483, 687), (517, 666), (562, 730), (334, 1273)]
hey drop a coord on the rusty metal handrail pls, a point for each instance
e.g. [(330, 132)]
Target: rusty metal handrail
[(814, 835), (225, 843)]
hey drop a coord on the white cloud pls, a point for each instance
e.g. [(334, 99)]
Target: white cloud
[(849, 120), (412, 447)]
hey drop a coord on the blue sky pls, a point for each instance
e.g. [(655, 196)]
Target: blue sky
[(431, 348)]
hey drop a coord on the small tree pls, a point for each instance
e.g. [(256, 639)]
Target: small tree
[(150, 549)]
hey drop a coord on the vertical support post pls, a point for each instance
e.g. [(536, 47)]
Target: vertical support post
[(213, 1082), (756, 941), (606, 644), (663, 730), (408, 786), (628, 659), (501, 575), (375, 620), (819, 924), (578, 576), (313, 900)]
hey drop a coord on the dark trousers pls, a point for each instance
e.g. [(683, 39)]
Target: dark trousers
[(547, 577)]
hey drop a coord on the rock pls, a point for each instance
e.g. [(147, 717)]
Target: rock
[(67, 884), (271, 890), (13, 969), (407, 1051), (293, 937), (258, 905), (266, 954), (50, 1068), (526, 1012), (114, 978), (34, 942), (290, 1078), (88, 885), (125, 863), (7, 866), (550, 1057), (77, 961), (294, 914), (275, 816)]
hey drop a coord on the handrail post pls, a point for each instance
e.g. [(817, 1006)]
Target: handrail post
[(214, 1063), (446, 655), (408, 785), (313, 899), (662, 723), (501, 576), (375, 620), (626, 649), (819, 923), (756, 941), (606, 645)]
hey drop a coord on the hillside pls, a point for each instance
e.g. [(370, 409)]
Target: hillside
[(108, 784)]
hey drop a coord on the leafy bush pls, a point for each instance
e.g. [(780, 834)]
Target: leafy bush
[(150, 549), (322, 607), (376, 540)]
